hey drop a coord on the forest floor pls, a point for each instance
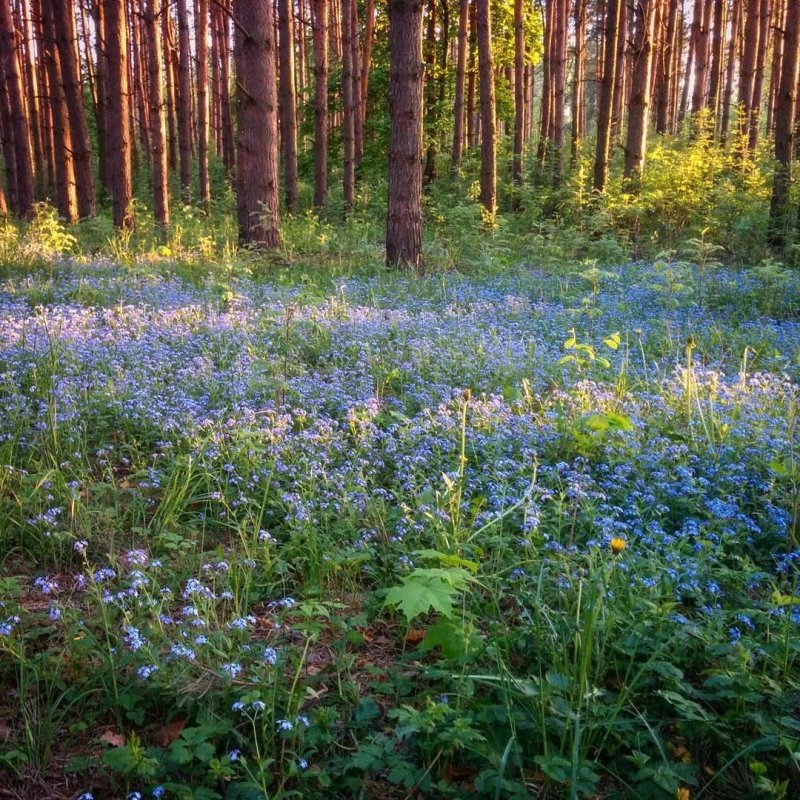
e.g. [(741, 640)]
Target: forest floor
[(532, 534)]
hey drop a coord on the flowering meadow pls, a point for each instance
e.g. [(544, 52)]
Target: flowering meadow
[(528, 534)]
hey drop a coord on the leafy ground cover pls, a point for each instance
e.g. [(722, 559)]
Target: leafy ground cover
[(532, 534)]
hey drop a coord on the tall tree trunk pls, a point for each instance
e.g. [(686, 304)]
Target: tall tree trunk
[(545, 114), (488, 184), (473, 118), (579, 79), (617, 109), (730, 69), (288, 108), (748, 69), (559, 80), (158, 121), (700, 34), (606, 92), (369, 36), (640, 92), (717, 57), (348, 122), (23, 166), (358, 114), (758, 82), (226, 118), (665, 90), (257, 148), (404, 214), (66, 41), (785, 128), (170, 69), (184, 101), (461, 69), (519, 95), (779, 22), (33, 101), (201, 49), (139, 81), (119, 98), (319, 17), (66, 192)]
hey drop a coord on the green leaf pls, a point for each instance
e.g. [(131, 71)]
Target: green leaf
[(612, 341)]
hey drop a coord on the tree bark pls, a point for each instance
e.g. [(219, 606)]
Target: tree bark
[(203, 110), (730, 69), (257, 147), (488, 183), (636, 147), (158, 121), (668, 73), (66, 41), (404, 213), (288, 107), (23, 166), (461, 69), (579, 79), (758, 82), (184, 101), (606, 94), (119, 98), (748, 70), (785, 129), (717, 57), (348, 121), (319, 12), (519, 95)]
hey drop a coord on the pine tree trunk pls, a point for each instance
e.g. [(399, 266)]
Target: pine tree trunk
[(66, 40), (257, 147), (545, 115), (619, 71), (226, 117), (579, 80), (748, 69), (472, 76), (717, 57), (203, 110), (606, 94), (139, 82), (668, 75), (636, 147), (18, 121), (358, 112), (319, 17), (348, 122), (519, 95), (170, 59), (184, 99), (288, 109), (488, 184), (779, 23), (559, 80), (758, 82), (158, 122), (33, 100), (730, 70), (65, 189), (369, 36), (700, 36), (784, 128), (404, 213), (119, 98), (461, 69)]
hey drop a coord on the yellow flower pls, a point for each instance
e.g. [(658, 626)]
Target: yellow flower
[(618, 545)]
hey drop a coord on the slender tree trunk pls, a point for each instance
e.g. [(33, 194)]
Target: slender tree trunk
[(758, 82), (636, 147), (519, 95), (488, 191), (18, 119), (358, 113), (545, 115), (203, 110), (561, 10), (158, 121), (66, 41), (7, 141), (257, 149), (473, 118), (139, 81), (730, 70), (461, 69), (348, 122), (700, 36), (319, 17), (619, 71), (288, 108), (748, 70), (119, 98), (66, 192), (33, 101), (228, 141), (606, 98), (170, 59), (404, 214), (369, 36), (785, 129), (717, 57), (579, 79), (777, 62), (184, 100), (668, 76)]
